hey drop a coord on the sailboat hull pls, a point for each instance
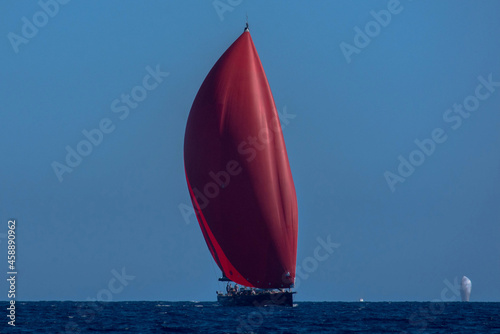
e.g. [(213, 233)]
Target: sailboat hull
[(262, 299)]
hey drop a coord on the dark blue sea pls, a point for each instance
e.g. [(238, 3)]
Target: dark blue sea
[(208, 317)]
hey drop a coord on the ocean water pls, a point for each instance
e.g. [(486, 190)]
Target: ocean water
[(209, 317)]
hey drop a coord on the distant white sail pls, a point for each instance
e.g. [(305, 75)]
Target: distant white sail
[(465, 289)]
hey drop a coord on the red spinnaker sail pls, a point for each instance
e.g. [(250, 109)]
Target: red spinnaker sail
[(238, 173)]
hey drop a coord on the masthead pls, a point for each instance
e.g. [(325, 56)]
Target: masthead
[(246, 26)]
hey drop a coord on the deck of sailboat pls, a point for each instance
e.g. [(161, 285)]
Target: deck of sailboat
[(265, 298)]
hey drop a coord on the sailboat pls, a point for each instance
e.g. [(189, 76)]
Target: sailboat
[(239, 179), (465, 289)]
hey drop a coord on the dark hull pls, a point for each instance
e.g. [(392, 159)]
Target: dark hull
[(262, 299)]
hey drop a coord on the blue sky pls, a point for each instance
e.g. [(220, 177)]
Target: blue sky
[(111, 229)]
